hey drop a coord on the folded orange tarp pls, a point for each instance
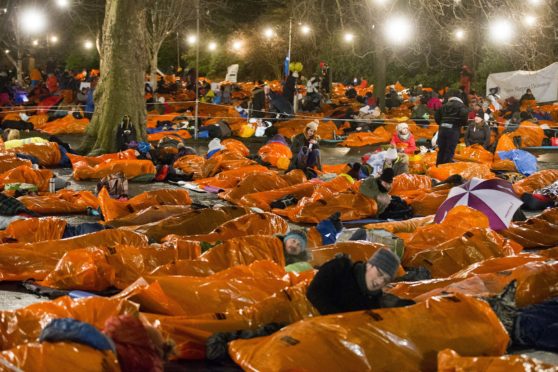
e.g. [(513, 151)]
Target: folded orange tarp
[(537, 232), (201, 221), (48, 154), (379, 135), (453, 255), (243, 250), (48, 356), (536, 181), (113, 209), (26, 174), (22, 261), (62, 202), (21, 326), (395, 340), (224, 291), (465, 169), (450, 361)]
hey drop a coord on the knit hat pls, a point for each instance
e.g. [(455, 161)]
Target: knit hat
[(312, 125), (385, 260), (387, 175), (298, 235)]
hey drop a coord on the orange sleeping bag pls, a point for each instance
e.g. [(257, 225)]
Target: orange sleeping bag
[(62, 202), (26, 174)]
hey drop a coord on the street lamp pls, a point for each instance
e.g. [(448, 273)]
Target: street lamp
[(35, 42), (237, 45), (88, 44), (269, 33), (348, 37), (305, 29), (530, 20), (398, 29), (192, 39), (63, 3), (535, 2), (212, 46), (460, 34), (501, 31), (7, 51), (32, 20), (54, 39)]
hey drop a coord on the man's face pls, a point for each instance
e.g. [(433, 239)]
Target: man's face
[(386, 185), (292, 246), (375, 278)]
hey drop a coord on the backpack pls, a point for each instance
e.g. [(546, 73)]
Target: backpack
[(116, 185), (397, 210), (220, 130), (125, 133)]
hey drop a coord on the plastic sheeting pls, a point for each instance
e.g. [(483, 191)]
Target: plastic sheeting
[(263, 224), (254, 182), (10, 161), (113, 209), (455, 254), (525, 162), (540, 231), (406, 226), (230, 178), (272, 152), (395, 340), (235, 146), (26, 174), (48, 153), (224, 291), (62, 202), (536, 181), (24, 325), (475, 154), (225, 160), (33, 230), (243, 250), (428, 203), (358, 250), (536, 280), (67, 356), (150, 214), (22, 261), (191, 164), (459, 220), (201, 221), (450, 361), (359, 139), (66, 125), (465, 169), (130, 169)]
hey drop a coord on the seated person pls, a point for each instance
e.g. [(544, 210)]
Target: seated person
[(403, 139), (377, 188), (306, 149), (478, 132), (13, 140), (342, 285)]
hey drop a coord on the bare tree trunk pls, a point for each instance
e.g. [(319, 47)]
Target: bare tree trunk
[(380, 72), (18, 64), (121, 88), (153, 63)]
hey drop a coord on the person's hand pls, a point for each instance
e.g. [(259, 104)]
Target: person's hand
[(312, 141)]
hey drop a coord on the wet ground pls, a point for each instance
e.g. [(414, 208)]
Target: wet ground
[(14, 296)]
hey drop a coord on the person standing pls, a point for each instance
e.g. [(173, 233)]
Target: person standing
[(451, 117)]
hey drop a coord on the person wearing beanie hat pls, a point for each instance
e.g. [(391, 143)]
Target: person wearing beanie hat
[(295, 243), (341, 285), (306, 149), (478, 132), (403, 139), (377, 188)]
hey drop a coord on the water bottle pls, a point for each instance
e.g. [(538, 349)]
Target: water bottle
[(51, 185)]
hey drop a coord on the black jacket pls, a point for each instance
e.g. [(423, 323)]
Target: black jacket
[(453, 112), (258, 98), (339, 287)]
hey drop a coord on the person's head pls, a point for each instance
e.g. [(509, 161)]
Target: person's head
[(311, 129), (479, 120), (294, 244), (494, 90), (403, 130), (381, 269), (528, 91), (386, 179), (13, 134), (477, 107)]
